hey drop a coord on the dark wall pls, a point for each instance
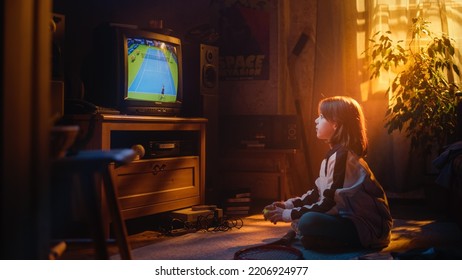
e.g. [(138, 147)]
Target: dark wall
[(83, 16)]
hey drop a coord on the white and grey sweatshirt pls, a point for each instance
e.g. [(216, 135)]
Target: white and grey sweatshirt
[(347, 187)]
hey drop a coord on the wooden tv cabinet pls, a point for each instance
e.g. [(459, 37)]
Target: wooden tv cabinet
[(171, 174)]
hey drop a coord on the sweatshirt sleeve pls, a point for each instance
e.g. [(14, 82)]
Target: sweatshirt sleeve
[(309, 197), (335, 171)]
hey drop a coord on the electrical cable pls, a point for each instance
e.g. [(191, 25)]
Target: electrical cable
[(208, 223)]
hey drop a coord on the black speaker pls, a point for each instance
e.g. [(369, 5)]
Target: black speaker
[(260, 131), (209, 70), (200, 77)]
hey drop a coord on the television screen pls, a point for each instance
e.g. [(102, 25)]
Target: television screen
[(152, 70), (135, 71)]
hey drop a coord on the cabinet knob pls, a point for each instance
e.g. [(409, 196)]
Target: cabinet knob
[(139, 150), (158, 168)]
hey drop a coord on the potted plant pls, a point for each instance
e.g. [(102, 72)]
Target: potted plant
[(423, 94)]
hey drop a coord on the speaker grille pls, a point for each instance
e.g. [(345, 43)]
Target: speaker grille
[(209, 69)]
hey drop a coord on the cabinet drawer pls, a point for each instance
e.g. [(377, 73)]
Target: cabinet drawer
[(159, 181)]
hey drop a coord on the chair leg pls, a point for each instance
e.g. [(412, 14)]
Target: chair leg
[(95, 216), (116, 216)]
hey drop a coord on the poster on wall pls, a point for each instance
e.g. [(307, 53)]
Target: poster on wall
[(244, 40)]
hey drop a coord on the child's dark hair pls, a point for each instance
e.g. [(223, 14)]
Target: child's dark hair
[(351, 126)]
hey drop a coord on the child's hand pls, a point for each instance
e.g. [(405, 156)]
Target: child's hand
[(267, 209), (274, 215), (279, 204)]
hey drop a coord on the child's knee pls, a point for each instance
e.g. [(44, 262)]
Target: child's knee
[(309, 223)]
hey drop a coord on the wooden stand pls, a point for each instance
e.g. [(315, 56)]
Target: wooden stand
[(169, 176)]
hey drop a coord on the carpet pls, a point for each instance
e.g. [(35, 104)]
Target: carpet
[(410, 239), (208, 245)]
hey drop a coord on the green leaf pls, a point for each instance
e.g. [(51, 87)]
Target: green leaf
[(451, 50), (388, 112), (456, 69), (423, 98)]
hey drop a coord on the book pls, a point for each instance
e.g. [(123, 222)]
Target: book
[(244, 194), (238, 199), (238, 202), (238, 208)]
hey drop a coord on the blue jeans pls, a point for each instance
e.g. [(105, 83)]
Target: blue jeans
[(320, 230)]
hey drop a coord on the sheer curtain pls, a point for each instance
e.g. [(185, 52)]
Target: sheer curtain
[(334, 63), (398, 169), (445, 16)]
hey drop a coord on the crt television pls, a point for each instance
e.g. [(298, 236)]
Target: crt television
[(137, 71)]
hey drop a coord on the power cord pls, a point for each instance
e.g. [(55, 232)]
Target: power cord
[(204, 223), (209, 223)]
